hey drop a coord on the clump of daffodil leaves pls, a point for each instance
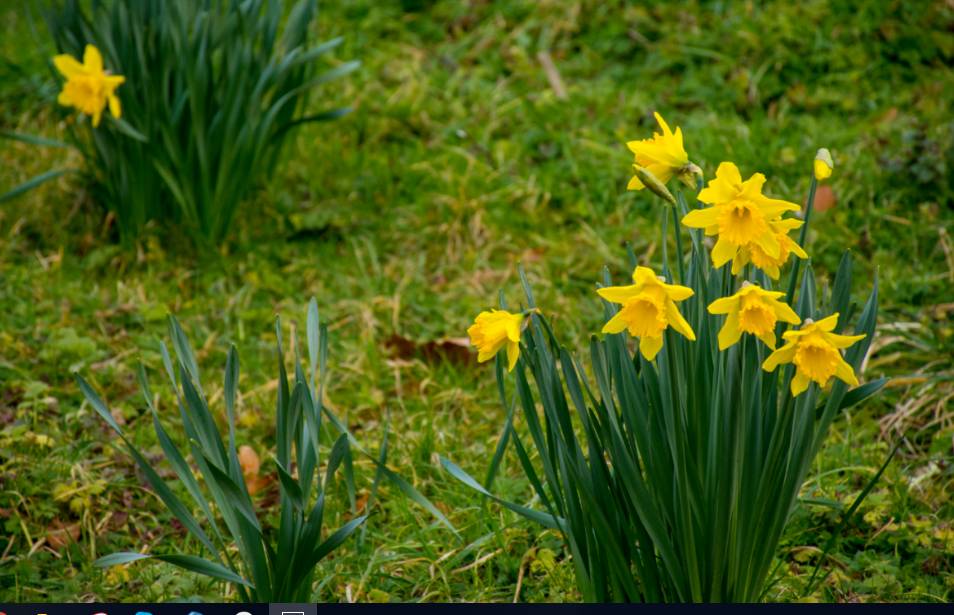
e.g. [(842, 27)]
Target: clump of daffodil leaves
[(671, 465)]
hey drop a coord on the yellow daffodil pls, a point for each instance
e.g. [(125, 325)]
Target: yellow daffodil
[(823, 164), (88, 87), (648, 309), (752, 310), (753, 253), (492, 331), (662, 156), (813, 350), (739, 214)]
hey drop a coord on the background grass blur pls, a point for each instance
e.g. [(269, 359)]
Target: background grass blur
[(462, 158)]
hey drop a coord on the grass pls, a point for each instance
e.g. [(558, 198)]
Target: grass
[(407, 217)]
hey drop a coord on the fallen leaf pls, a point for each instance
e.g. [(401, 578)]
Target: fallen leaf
[(251, 464), (59, 535), (454, 349)]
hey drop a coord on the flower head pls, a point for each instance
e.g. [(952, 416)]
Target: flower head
[(492, 331), (752, 310), (823, 164), (753, 253), (649, 308), (662, 156), (88, 87), (813, 350), (739, 214)]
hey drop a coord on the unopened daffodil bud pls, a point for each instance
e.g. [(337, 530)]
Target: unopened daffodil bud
[(650, 181), (823, 164)]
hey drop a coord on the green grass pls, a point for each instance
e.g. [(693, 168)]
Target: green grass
[(407, 217)]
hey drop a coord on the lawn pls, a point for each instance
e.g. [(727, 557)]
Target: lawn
[(465, 155)]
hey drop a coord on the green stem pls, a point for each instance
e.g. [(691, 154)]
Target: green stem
[(801, 238), (679, 253)]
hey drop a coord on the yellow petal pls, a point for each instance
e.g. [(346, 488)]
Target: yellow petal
[(96, 117), (844, 373), (769, 244), (92, 60), (635, 184), (677, 292), (114, 107), (64, 99), (785, 354), (618, 294), (730, 332), (67, 65), (828, 323), (677, 322), (843, 341), (649, 346), (513, 353), (799, 384), (822, 170), (662, 124), (723, 305), (644, 275), (616, 324), (768, 339), (722, 253), (784, 312), (701, 218), (752, 187), (773, 208), (727, 171)]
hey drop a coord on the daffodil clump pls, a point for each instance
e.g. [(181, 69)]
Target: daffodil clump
[(671, 463), (177, 112)]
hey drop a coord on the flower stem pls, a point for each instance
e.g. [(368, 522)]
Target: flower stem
[(679, 253), (802, 237)]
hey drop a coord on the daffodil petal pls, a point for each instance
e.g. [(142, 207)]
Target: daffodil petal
[(618, 294), (677, 322), (649, 347), (799, 384), (68, 65), (785, 354), (616, 324), (92, 59), (513, 353), (723, 252), (730, 332), (701, 218)]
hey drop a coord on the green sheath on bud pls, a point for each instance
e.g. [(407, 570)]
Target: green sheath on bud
[(650, 181)]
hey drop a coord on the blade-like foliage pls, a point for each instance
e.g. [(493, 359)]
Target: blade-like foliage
[(672, 479), (212, 89), (273, 565)]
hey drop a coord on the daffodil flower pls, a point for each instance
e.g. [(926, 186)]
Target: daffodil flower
[(88, 87), (739, 214), (752, 310), (662, 156), (814, 350), (753, 253), (494, 330), (649, 308)]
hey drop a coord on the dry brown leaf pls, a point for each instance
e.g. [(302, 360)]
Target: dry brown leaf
[(59, 535), (251, 465), (454, 349)]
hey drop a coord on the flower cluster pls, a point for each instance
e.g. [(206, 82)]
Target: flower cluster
[(749, 229)]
